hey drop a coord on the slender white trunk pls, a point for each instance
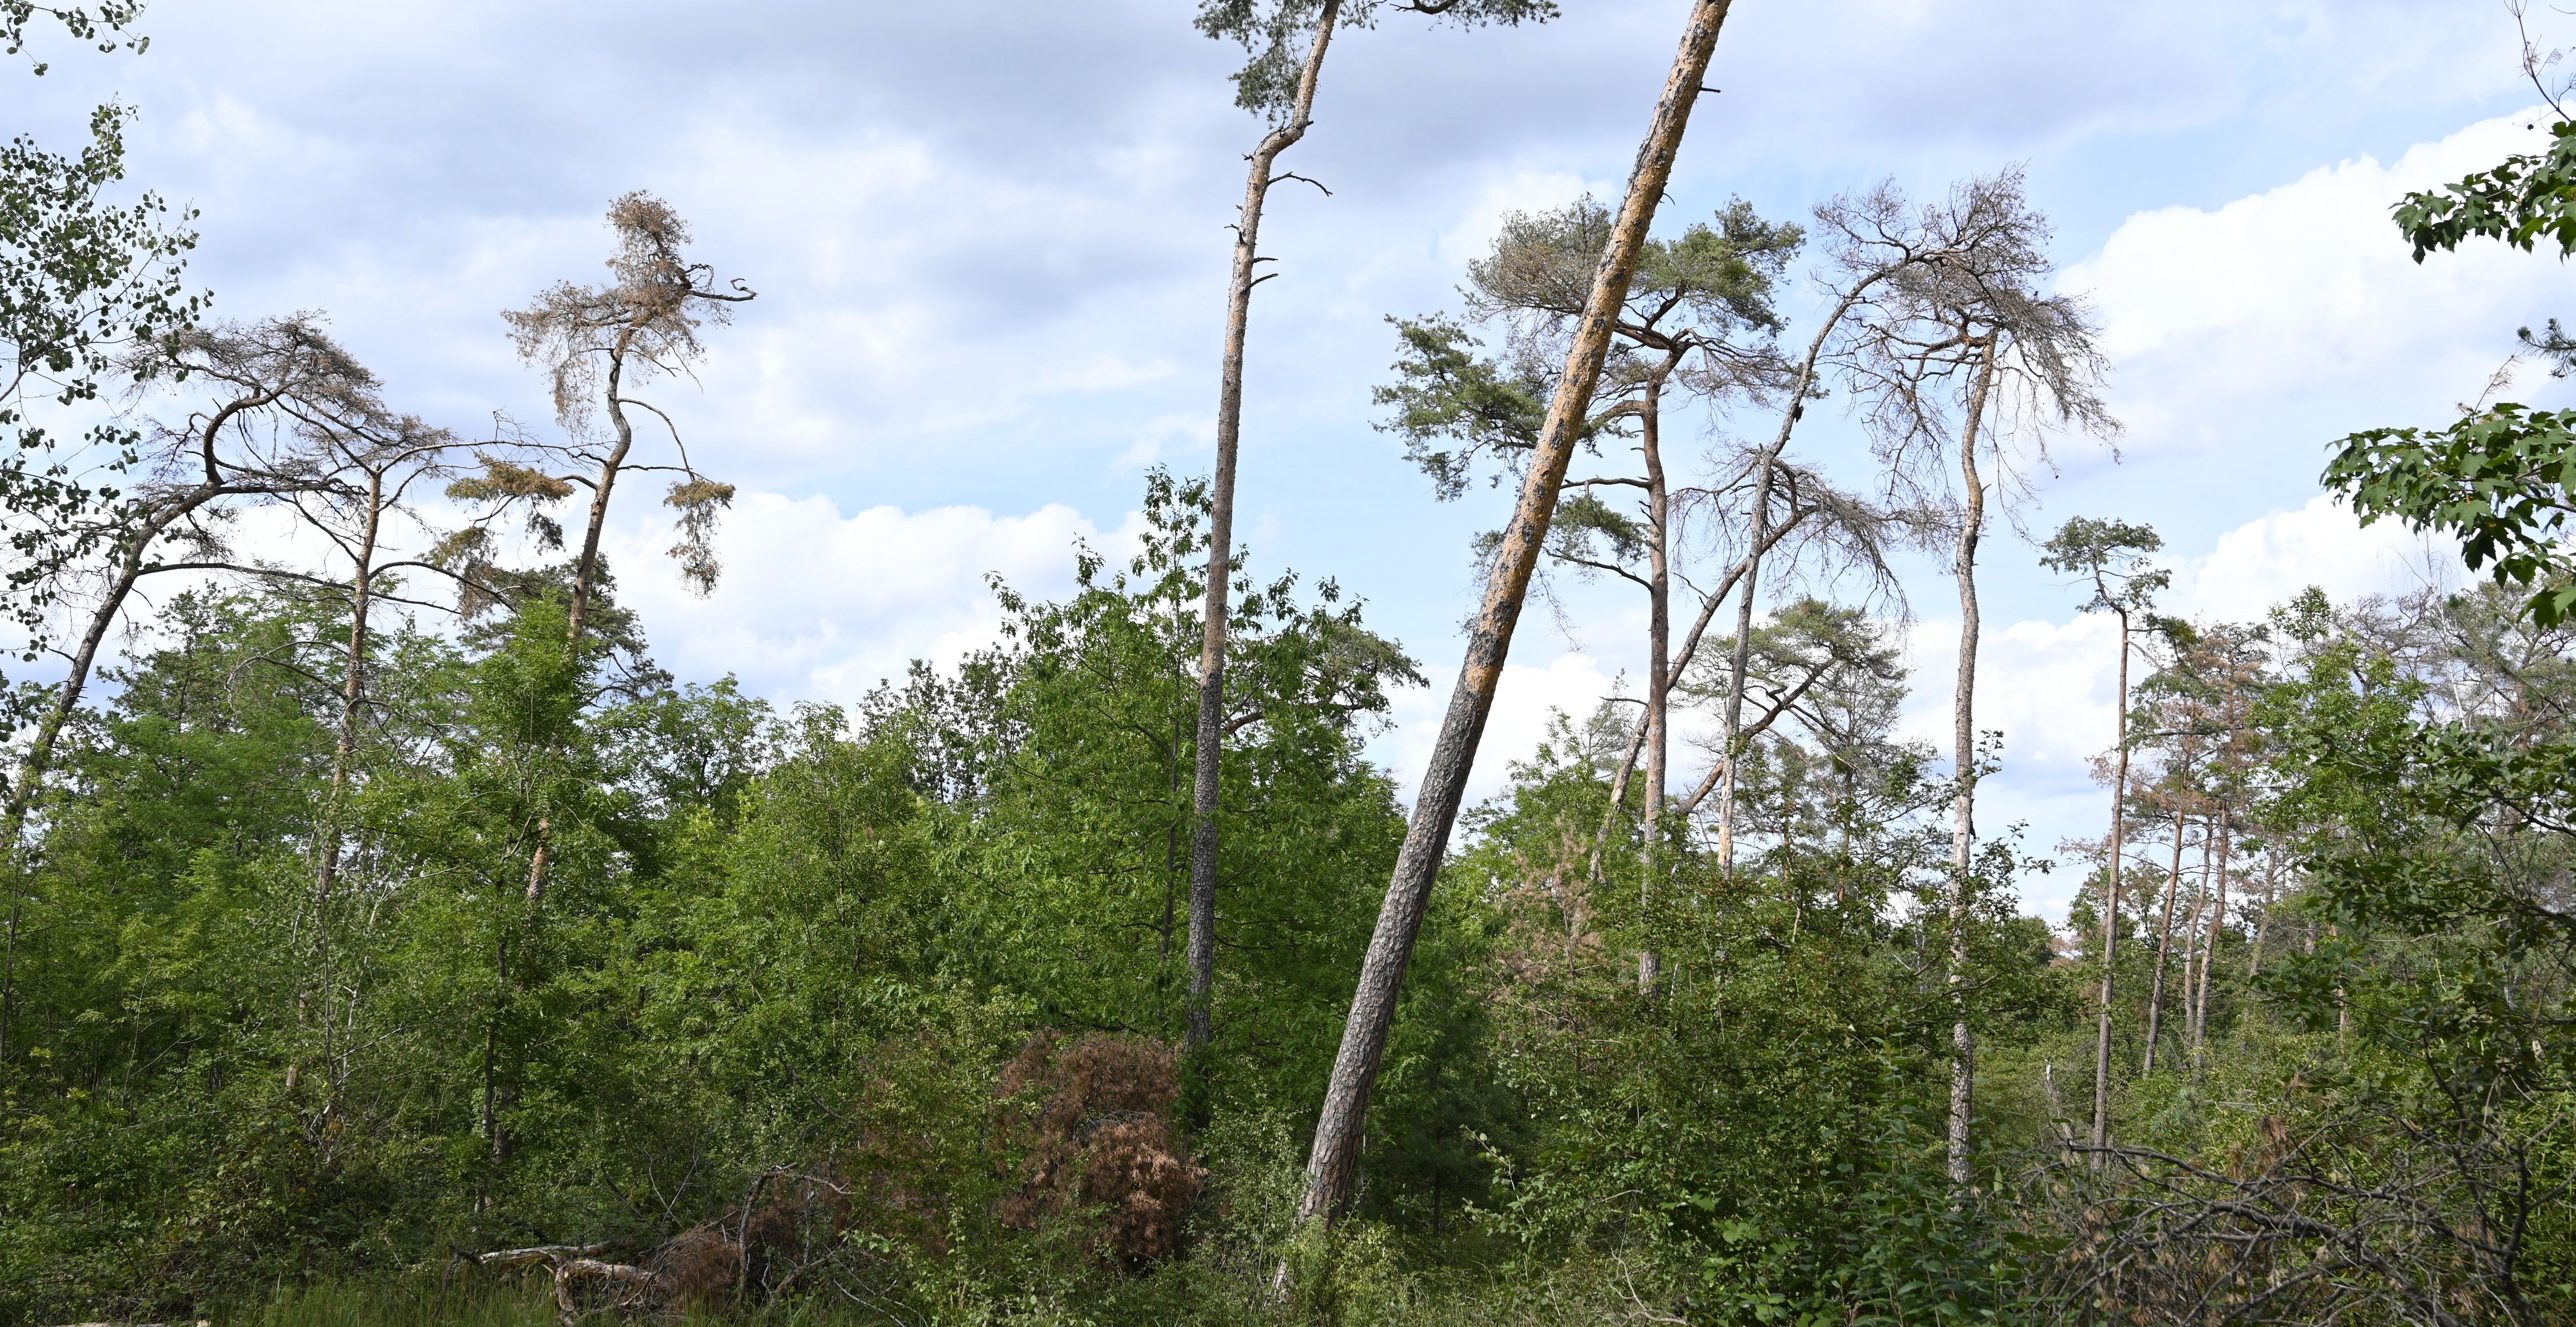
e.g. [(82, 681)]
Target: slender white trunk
[(1207, 769), (2209, 949), (1963, 805)]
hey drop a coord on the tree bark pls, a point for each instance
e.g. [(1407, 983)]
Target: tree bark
[(1229, 434), (1743, 657), (2164, 948), (37, 763), (2191, 954), (1963, 739), (1332, 1169), (1756, 547), (352, 690), (1745, 569), (1659, 631), (1681, 661), (585, 575), (2209, 947), (2111, 913), (2263, 917)]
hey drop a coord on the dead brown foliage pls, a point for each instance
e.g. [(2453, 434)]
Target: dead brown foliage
[(1091, 1116)]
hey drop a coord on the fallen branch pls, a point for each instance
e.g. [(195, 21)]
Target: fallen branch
[(573, 1262)]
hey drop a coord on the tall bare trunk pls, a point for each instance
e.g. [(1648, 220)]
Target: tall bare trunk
[(1759, 544), (1229, 433), (585, 576), (2263, 918), (37, 762), (1743, 572), (2209, 948), (1963, 754), (585, 572), (2192, 954), (1741, 662), (326, 871), (1679, 664), (1332, 1168), (353, 675), (2164, 947), (1659, 630), (2111, 914)]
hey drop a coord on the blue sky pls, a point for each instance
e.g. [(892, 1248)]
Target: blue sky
[(990, 240)]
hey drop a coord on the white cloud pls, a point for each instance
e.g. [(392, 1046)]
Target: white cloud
[(816, 605), (2264, 562), (2215, 318), (1529, 693)]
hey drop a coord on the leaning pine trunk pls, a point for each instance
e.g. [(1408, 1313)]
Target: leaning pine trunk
[(1332, 1168), (1963, 804), (1229, 432)]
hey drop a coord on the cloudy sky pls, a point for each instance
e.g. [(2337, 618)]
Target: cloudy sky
[(989, 240)]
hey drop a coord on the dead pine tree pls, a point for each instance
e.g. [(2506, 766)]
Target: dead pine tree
[(2109, 557), (597, 343), (1332, 1167), (241, 444), (1967, 366), (1279, 83), (1878, 256)]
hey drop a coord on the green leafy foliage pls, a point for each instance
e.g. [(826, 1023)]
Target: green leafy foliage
[(2497, 479)]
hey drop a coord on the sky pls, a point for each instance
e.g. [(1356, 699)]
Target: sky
[(990, 244)]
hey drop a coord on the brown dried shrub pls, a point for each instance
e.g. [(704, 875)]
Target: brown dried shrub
[(1100, 1137), (698, 1268), (789, 1222)]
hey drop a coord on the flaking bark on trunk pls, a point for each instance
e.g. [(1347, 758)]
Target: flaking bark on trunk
[(1332, 1167), (1963, 804), (1229, 433)]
